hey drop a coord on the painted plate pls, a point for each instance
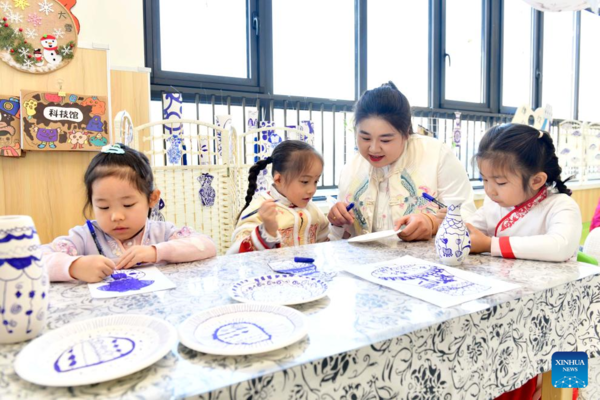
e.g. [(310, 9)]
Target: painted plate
[(95, 350), (278, 289), (240, 329), (371, 237)]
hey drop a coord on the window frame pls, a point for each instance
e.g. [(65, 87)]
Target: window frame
[(183, 79), (260, 56)]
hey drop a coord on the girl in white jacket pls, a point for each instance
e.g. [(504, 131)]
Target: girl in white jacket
[(393, 169), (527, 212)]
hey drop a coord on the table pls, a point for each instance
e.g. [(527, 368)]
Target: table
[(364, 340)]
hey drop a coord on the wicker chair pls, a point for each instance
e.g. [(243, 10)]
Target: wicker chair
[(193, 167)]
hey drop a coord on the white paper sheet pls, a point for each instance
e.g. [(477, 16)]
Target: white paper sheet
[(435, 283), (126, 282)]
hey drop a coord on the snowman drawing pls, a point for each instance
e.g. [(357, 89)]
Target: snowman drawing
[(50, 52)]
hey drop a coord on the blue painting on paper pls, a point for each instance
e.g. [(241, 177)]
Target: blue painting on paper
[(95, 351), (126, 281), (429, 277), (241, 333)]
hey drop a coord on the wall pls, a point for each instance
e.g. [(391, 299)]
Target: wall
[(48, 186), (117, 23)]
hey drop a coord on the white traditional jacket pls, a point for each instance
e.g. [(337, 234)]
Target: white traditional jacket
[(426, 165), (297, 226), (546, 227)]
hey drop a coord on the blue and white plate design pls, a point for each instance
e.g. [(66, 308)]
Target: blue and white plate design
[(95, 350), (278, 289), (240, 329)]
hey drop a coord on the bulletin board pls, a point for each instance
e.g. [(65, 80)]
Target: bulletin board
[(53, 121)]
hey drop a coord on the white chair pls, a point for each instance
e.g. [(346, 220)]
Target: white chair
[(192, 162), (592, 244)]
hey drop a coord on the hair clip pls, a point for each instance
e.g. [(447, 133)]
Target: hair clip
[(113, 149)]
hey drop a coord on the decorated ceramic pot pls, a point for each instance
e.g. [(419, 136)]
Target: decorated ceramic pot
[(24, 281), (452, 241)]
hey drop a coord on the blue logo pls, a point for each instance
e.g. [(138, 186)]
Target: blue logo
[(569, 369)]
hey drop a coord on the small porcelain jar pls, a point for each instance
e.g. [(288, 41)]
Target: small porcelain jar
[(452, 240)]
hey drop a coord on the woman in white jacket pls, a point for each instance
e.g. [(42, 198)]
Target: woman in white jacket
[(393, 168)]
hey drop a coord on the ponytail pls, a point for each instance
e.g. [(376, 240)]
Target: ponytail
[(252, 177), (524, 150)]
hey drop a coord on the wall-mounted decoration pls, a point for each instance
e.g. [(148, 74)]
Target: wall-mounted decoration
[(541, 118), (36, 36), (69, 4), (173, 109), (10, 126), (63, 121)]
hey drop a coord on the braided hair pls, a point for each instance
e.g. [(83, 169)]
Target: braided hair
[(291, 158), (523, 150), (388, 103)]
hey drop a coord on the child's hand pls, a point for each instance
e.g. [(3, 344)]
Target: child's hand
[(136, 255), (268, 214), (91, 269), (338, 216), (440, 215), (418, 227), (480, 242)]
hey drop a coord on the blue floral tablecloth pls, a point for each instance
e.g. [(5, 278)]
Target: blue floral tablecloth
[(365, 341)]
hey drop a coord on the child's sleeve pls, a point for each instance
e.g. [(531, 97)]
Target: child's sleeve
[(453, 183), (479, 220), (62, 252), (596, 219), (559, 244), (250, 235), (184, 245)]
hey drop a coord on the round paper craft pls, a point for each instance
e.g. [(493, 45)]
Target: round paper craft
[(36, 36), (278, 289), (95, 350), (241, 329)]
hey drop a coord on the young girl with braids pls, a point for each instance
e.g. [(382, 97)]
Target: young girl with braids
[(527, 212), (286, 215)]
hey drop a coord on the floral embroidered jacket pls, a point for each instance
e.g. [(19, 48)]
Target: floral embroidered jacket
[(172, 245), (297, 226), (547, 227), (426, 165)]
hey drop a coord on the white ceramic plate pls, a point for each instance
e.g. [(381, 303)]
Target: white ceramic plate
[(278, 289), (95, 350), (240, 329), (371, 237)]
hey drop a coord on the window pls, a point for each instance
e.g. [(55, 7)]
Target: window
[(209, 38), (589, 82), (557, 81), (313, 48), (465, 54), (202, 44), (398, 47), (516, 50)]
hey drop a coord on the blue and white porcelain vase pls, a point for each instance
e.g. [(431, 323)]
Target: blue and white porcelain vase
[(24, 281), (452, 240)]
